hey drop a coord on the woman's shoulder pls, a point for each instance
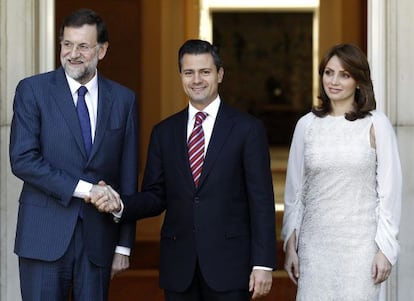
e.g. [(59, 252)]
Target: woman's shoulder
[(306, 119), (382, 124), (378, 114), (379, 118), (303, 123)]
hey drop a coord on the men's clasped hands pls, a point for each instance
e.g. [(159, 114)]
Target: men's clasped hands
[(104, 198)]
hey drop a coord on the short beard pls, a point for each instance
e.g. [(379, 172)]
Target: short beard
[(81, 76)]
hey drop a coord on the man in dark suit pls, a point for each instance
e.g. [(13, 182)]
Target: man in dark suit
[(218, 236), (66, 246)]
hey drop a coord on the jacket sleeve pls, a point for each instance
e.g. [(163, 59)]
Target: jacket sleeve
[(26, 157), (129, 173), (259, 187)]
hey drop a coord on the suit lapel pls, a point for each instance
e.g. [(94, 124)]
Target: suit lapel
[(64, 101), (180, 138), (105, 102), (222, 129)]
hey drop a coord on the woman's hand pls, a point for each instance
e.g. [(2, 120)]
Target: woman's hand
[(292, 259), (381, 268)]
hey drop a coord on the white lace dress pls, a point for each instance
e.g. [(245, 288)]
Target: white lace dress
[(336, 242)]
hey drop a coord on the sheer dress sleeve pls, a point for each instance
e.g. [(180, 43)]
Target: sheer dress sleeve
[(389, 187), (293, 210)]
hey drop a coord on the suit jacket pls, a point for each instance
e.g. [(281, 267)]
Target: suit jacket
[(48, 154), (227, 224)]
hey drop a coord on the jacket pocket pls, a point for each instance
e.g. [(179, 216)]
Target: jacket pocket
[(34, 197)]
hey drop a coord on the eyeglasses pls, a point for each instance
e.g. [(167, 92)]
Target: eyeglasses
[(82, 48)]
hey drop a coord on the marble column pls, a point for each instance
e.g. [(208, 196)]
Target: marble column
[(401, 42), (16, 45), (391, 45), (26, 33)]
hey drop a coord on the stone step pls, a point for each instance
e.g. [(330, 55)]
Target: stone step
[(133, 285)]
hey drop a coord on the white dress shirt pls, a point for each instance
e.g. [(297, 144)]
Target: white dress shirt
[(208, 123)]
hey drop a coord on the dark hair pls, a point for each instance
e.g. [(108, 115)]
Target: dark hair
[(199, 47), (86, 16), (355, 62)]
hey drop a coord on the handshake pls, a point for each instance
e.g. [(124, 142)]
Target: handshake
[(104, 198)]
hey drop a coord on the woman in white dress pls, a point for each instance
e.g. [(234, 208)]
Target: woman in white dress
[(343, 188)]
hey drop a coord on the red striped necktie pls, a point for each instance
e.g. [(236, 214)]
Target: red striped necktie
[(196, 147)]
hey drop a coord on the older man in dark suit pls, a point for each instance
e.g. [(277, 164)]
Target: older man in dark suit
[(72, 127), (208, 167)]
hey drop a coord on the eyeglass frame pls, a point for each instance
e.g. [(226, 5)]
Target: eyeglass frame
[(82, 47)]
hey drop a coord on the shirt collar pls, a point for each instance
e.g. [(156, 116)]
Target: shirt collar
[(211, 109), (74, 85)]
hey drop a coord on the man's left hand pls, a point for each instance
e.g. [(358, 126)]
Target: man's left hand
[(119, 264), (260, 283)]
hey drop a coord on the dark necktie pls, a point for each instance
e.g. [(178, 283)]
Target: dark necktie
[(196, 147), (84, 120)]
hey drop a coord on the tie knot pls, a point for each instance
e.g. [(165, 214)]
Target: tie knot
[(82, 91), (199, 117)]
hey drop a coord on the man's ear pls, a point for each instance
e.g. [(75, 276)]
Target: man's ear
[(220, 74), (103, 48)]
